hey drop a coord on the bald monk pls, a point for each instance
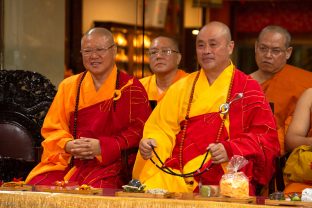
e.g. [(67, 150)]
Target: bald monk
[(164, 61), (217, 109), (281, 83), (94, 116)]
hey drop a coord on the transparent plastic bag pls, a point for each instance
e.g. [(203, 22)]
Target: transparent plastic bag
[(233, 183)]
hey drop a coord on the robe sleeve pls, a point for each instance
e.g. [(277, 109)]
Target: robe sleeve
[(131, 135), (55, 129), (257, 141)]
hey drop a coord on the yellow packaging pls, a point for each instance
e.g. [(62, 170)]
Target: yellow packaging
[(234, 185)]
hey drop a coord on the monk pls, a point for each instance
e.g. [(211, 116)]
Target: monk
[(299, 138), (281, 82), (94, 116), (164, 61), (217, 109)]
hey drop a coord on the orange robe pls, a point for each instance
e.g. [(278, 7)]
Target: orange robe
[(283, 90), (150, 85), (116, 122)]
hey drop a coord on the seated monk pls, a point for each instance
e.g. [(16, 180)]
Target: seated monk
[(164, 60), (206, 118), (94, 116), (299, 138), (282, 83)]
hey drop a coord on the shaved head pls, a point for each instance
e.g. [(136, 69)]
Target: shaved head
[(276, 29), (99, 31), (173, 43), (219, 27)]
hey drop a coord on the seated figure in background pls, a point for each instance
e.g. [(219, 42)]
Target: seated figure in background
[(299, 139), (282, 83), (216, 109), (164, 61), (94, 116)]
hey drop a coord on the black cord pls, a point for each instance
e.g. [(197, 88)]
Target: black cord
[(183, 175)]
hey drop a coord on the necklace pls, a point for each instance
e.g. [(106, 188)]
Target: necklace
[(75, 125), (196, 172)]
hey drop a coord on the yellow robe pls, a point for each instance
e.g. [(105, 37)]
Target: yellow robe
[(149, 83), (164, 124)]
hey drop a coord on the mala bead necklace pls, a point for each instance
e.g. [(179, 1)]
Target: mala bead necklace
[(221, 111), (116, 97)]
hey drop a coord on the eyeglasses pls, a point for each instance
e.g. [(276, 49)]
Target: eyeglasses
[(274, 51), (163, 52), (98, 51)]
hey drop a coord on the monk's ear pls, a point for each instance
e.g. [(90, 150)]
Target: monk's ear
[(256, 45), (179, 58), (288, 52)]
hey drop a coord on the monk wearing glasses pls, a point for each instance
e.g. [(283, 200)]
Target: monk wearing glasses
[(94, 116), (282, 83)]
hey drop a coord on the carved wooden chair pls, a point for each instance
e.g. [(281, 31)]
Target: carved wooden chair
[(25, 98)]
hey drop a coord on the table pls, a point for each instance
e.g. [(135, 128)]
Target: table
[(20, 199)]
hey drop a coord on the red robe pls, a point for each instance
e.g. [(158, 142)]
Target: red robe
[(252, 134), (118, 125)]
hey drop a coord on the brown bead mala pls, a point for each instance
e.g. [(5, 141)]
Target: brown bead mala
[(196, 172), (77, 105)]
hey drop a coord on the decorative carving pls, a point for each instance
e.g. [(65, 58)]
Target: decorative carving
[(25, 98)]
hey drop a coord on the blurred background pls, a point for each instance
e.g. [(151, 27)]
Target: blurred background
[(44, 35)]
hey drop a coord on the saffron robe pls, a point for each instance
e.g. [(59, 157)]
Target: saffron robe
[(284, 90), (298, 186), (150, 85), (250, 130), (117, 124)]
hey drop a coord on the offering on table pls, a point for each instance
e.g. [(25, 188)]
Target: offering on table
[(306, 195), (134, 186), (235, 184), (209, 190)]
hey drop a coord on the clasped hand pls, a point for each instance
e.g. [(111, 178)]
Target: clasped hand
[(83, 148)]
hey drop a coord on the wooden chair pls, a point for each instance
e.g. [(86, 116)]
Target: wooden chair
[(25, 98)]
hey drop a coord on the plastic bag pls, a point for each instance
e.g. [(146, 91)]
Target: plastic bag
[(233, 183)]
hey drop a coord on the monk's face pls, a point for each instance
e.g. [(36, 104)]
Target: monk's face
[(164, 56), (213, 48), (98, 53), (271, 52)]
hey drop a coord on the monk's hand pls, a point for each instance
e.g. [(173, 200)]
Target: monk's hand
[(80, 149), (91, 148), (218, 153), (145, 148)]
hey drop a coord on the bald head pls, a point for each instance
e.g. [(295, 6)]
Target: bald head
[(218, 28), (276, 29), (173, 44), (100, 32)]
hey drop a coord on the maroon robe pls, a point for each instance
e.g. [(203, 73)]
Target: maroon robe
[(118, 125)]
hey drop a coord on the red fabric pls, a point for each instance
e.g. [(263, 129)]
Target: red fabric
[(252, 134), (296, 16), (118, 125)]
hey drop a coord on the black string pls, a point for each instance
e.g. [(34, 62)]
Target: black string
[(183, 175)]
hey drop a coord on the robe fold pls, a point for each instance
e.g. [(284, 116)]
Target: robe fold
[(298, 186), (150, 85), (249, 130), (117, 124), (284, 90)]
